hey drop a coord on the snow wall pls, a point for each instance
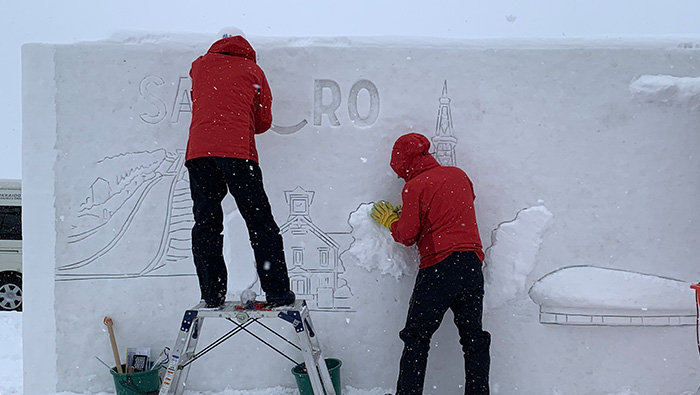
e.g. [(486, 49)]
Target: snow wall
[(584, 155)]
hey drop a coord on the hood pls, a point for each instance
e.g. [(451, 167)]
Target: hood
[(410, 156), (236, 46)]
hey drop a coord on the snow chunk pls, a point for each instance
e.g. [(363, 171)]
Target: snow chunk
[(591, 287), (668, 89), (511, 257), (374, 248)]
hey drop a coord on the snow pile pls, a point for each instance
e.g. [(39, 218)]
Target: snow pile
[(627, 390), (374, 248), (668, 89), (596, 287), (513, 253), (10, 353)]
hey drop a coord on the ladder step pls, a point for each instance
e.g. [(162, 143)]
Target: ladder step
[(232, 310), (297, 314)]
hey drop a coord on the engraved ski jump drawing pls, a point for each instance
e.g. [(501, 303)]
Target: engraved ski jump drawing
[(117, 216)]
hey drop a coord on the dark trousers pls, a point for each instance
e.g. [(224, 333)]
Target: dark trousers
[(210, 179), (455, 283)]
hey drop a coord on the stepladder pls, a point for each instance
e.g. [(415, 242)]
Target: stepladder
[(184, 352)]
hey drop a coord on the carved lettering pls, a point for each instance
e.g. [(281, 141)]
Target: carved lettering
[(353, 112), (330, 108), (161, 109), (183, 99), (360, 114)]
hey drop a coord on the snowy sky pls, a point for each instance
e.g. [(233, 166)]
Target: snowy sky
[(70, 21)]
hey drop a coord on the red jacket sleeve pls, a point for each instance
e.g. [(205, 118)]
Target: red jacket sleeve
[(407, 229), (263, 114)]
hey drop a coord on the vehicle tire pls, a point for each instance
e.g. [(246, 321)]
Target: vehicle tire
[(10, 291)]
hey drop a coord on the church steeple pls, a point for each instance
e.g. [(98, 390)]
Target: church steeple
[(444, 141)]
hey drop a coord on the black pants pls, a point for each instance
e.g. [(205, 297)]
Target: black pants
[(455, 283), (210, 179)]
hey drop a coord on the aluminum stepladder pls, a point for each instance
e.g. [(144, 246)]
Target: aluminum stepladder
[(297, 314)]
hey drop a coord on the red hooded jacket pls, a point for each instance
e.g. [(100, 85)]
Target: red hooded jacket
[(438, 203), (231, 101)]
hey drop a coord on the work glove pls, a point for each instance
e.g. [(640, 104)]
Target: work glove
[(384, 213)]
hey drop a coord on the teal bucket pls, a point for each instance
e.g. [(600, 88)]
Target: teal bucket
[(304, 383), (141, 383)]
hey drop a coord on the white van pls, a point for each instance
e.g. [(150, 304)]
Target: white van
[(10, 245)]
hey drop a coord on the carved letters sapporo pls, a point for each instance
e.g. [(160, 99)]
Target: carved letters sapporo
[(362, 103)]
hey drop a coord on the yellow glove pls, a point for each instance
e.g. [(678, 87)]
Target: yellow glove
[(384, 213)]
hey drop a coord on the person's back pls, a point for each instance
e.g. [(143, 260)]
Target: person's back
[(438, 215), (438, 204), (447, 212), (231, 101)]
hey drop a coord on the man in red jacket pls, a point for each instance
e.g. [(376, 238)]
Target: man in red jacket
[(438, 215), (231, 103)]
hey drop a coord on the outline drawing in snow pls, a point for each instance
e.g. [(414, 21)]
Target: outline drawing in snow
[(444, 141), (118, 213), (597, 296), (313, 257), (123, 211)]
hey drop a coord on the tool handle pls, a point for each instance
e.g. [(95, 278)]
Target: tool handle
[(108, 321)]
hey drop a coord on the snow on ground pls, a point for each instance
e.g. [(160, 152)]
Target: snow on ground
[(11, 367), (10, 353), (11, 370)]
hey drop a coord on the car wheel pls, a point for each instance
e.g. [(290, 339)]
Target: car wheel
[(11, 292)]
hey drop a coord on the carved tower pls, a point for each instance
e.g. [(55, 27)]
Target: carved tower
[(444, 141)]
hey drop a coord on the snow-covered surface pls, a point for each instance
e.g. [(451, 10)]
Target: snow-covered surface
[(10, 353), (463, 19), (513, 254), (603, 178), (11, 382), (127, 37), (668, 89), (614, 289), (11, 370)]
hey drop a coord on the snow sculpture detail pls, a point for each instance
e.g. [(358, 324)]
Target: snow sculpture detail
[(589, 295)]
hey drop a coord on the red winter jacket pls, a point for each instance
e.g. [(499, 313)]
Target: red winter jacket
[(231, 101), (438, 203)]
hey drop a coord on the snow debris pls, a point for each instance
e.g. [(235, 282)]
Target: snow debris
[(668, 89), (513, 253), (375, 249)]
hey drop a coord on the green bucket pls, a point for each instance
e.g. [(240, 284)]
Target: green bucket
[(141, 383), (304, 383)]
